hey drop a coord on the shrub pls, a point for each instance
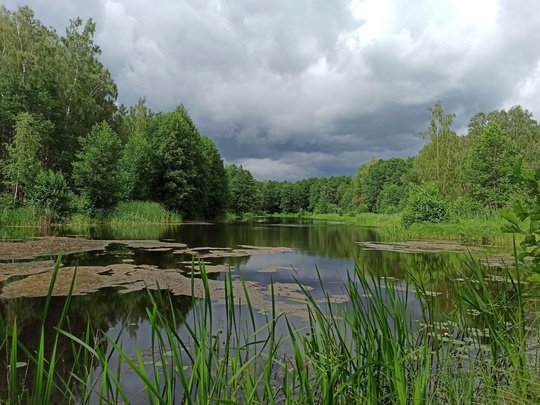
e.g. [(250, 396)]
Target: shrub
[(424, 204), (51, 194), (362, 209)]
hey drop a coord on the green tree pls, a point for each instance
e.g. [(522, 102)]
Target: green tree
[(85, 88), (22, 164), (244, 193), (216, 183), (381, 174), (358, 181), (96, 170), (28, 71), (492, 150), (303, 190), (518, 124), (288, 198), (424, 204), (136, 119), (441, 160), (137, 168), (180, 173), (391, 198), (271, 196), (56, 79), (52, 195)]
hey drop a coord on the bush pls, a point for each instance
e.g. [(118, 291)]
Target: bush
[(463, 207), (51, 194), (424, 204), (362, 209), (390, 199)]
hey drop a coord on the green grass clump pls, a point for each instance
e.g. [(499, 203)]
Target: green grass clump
[(142, 212), (19, 216), (128, 213)]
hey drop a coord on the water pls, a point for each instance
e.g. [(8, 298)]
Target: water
[(323, 253)]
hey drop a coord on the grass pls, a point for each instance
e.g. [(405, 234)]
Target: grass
[(474, 230), (129, 213), (21, 216), (372, 350), (142, 212)]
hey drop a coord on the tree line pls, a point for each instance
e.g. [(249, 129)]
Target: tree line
[(66, 146), (456, 174)]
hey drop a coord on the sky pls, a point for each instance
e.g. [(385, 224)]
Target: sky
[(292, 89)]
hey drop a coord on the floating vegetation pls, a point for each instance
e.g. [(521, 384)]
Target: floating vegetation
[(418, 246)]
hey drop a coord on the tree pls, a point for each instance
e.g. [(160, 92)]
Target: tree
[(96, 170), (391, 199), (180, 179), (424, 204), (271, 196), (216, 181), (518, 124), (86, 90), (441, 160), (244, 193), (51, 194), (359, 179), (288, 198), (22, 164), (56, 79), (137, 168), (491, 151), (381, 174)]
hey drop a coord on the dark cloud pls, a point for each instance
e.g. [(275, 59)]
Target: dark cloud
[(294, 89)]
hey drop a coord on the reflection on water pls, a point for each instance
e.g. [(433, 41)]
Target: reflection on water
[(323, 253)]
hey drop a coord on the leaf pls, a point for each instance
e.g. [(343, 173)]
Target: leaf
[(535, 278)]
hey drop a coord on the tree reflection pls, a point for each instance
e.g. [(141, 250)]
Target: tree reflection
[(94, 313)]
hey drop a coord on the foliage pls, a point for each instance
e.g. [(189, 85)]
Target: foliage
[(57, 79), (180, 182), (381, 174), (271, 196), (216, 183), (96, 170), (518, 124), (492, 150), (137, 212), (424, 203), (359, 179), (390, 200), (137, 168), (525, 220), (440, 161), (244, 192), (288, 201), (22, 164), (52, 195)]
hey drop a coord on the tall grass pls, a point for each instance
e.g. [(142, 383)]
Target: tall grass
[(373, 349), (19, 216), (142, 212)]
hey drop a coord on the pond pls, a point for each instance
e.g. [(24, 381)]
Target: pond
[(279, 256)]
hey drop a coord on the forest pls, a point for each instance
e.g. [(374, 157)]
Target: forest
[(67, 147)]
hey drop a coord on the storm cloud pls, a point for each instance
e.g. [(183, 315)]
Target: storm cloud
[(294, 89)]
